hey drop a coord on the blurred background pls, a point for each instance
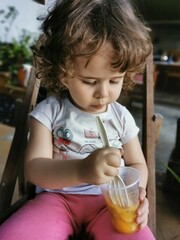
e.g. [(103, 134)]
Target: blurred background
[(20, 28)]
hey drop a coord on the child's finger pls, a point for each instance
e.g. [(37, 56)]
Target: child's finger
[(142, 193)]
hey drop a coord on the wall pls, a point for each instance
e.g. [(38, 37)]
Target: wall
[(26, 19), (166, 38), (164, 18)]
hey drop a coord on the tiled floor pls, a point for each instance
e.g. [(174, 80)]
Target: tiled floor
[(6, 136), (168, 207), (168, 215)]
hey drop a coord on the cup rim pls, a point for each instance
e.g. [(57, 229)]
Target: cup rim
[(137, 172)]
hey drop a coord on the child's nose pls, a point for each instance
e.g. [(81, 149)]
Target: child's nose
[(102, 91)]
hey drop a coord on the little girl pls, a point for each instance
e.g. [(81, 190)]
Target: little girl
[(89, 51)]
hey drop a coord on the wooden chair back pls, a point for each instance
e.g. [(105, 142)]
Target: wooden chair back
[(14, 165), (148, 140)]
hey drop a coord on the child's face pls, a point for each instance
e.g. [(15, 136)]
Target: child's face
[(95, 83)]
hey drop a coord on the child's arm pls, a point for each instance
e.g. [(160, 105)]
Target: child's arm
[(133, 156), (46, 172)]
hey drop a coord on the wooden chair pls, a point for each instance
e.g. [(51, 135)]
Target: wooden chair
[(14, 165)]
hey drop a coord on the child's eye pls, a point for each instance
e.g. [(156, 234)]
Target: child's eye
[(89, 82), (114, 82)]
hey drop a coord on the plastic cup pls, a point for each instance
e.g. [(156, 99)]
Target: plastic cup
[(123, 216)]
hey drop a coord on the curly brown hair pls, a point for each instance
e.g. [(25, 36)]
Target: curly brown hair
[(79, 28)]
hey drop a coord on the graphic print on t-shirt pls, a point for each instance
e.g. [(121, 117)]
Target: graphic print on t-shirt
[(72, 143)]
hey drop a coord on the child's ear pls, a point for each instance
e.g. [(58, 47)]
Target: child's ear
[(64, 81)]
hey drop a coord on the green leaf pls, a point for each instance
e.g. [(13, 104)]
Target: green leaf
[(171, 171)]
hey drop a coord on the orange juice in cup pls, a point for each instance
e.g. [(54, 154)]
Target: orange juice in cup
[(123, 218), (123, 214)]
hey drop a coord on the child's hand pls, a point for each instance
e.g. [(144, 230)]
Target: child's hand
[(143, 210), (100, 166)]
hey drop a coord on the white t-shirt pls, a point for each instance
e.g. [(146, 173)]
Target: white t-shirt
[(75, 133)]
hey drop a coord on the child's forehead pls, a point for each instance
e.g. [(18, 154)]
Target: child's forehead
[(105, 52), (99, 65)]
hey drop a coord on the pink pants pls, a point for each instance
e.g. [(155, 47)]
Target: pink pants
[(52, 216)]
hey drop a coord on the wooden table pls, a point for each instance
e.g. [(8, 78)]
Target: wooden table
[(168, 70), (14, 91)]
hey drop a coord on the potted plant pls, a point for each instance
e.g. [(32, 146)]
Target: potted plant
[(13, 55), (17, 52)]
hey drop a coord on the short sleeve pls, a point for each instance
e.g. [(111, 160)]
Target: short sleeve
[(130, 129), (125, 123), (45, 112)]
